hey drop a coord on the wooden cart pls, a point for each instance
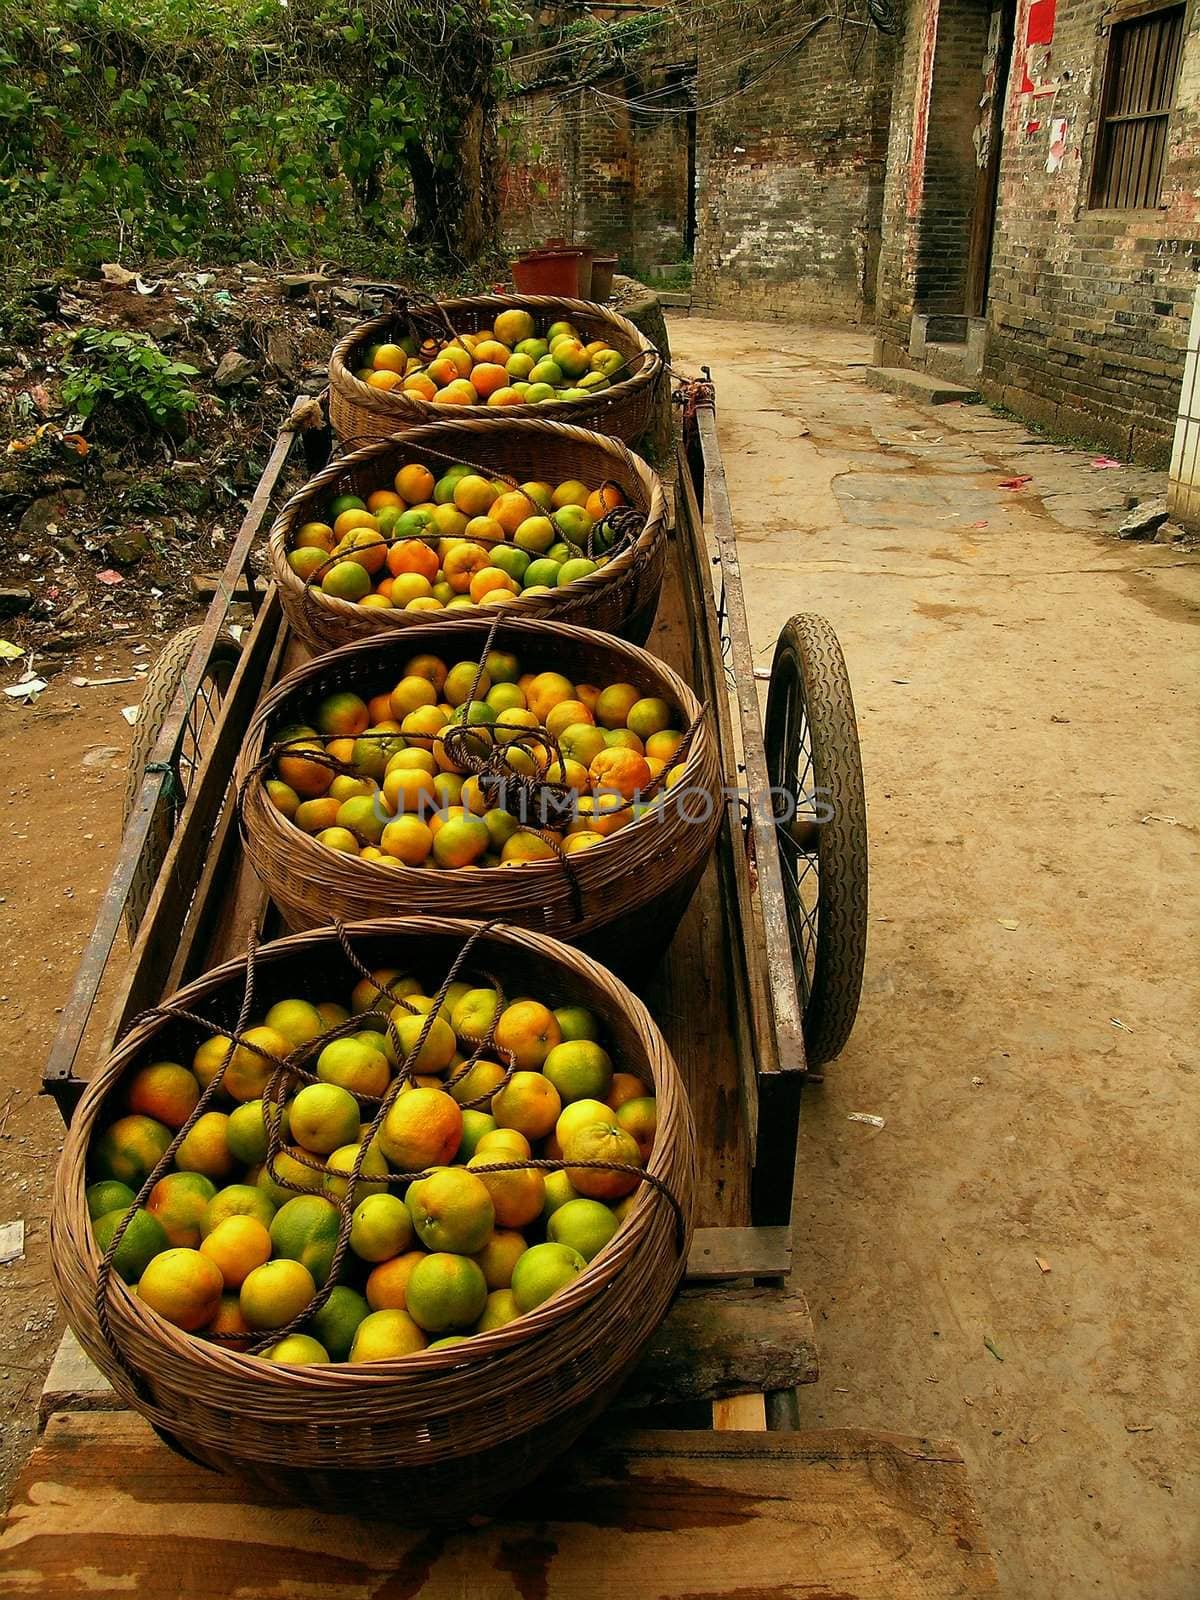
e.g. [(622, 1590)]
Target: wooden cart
[(700, 1482)]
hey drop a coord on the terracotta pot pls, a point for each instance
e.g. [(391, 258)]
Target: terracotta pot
[(554, 272)]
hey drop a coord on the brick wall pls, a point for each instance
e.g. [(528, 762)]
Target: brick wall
[(791, 172), (1087, 311), (585, 165)]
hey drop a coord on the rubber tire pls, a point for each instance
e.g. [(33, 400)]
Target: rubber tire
[(808, 657), (162, 685)]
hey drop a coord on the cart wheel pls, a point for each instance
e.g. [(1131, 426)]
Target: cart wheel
[(162, 685), (815, 771)]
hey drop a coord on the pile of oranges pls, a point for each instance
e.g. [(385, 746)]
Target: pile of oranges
[(504, 365), (396, 790), (434, 544), (237, 1242)]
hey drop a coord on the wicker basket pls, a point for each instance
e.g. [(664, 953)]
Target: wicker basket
[(632, 889), (621, 597), (623, 410), (445, 1434)]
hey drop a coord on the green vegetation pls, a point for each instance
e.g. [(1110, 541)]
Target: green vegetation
[(217, 130), (106, 365)]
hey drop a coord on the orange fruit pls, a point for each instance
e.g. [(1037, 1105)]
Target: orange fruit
[(180, 1201), (183, 1286), (529, 1103), (308, 778), (386, 1336), (415, 482), (438, 1049), (206, 1149), (452, 1210), (461, 565), (614, 704), (547, 690), (346, 522), (342, 714), (480, 1082), (390, 358), (421, 384), (500, 1255), (542, 1272), (305, 1229), (640, 1118), (387, 1283), (407, 839), (488, 579), (499, 1309), (409, 789), (229, 1320), (384, 380), (446, 1291), (459, 393), (570, 493), (412, 555), (460, 841), (529, 1031), (473, 494), (380, 1228), (491, 351), (506, 397), (487, 377), (427, 666), (625, 1086), (236, 1246), (274, 1293), (620, 771), (355, 1065), (249, 1071), (314, 816), (517, 1197), (581, 1114), (508, 1140), (315, 536), (348, 580), (579, 1069), (236, 1200), (602, 1141), (421, 1129), (378, 499), (166, 1091), (603, 500), (366, 546), (297, 1350), (526, 847)]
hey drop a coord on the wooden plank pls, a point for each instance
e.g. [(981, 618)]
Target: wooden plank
[(742, 1413), (176, 911), (58, 1077), (714, 1343), (764, 1252), (104, 1508), (691, 996), (718, 515)]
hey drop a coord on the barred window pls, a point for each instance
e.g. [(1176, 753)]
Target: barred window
[(1139, 90)]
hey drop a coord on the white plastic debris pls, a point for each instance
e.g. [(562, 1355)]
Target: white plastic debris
[(12, 1242), (868, 1118)]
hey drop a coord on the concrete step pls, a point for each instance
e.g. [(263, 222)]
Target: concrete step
[(918, 386)]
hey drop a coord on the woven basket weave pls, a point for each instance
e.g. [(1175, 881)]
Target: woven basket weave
[(621, 597), (623, 410), (633, 888), (435, 1437)]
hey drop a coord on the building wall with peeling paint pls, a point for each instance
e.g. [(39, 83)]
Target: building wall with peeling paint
[(1087, 311)]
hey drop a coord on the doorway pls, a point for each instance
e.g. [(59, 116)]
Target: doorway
[(990, 136)]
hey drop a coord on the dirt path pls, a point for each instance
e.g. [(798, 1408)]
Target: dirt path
[(63, 763), (1026, 691)]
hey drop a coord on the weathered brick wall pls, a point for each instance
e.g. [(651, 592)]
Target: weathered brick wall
[(1087, 311), (585, 165), (791, 174)]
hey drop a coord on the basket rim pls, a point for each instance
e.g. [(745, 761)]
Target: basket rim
[(373, 874), (536, 607), (645, 1216), (390, 403)]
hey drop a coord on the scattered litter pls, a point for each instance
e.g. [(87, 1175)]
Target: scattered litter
[(1010, 923), (143, 287), (102, 756), (157, 593), (763, 674), (1153, 816), (28, 689), (967, 1401), (1139, 1427), (1015, 483), (139, 649), (865, 1116), (989, 1344), (99, 683), (1117, 1023), (109, 576), (1059, 719), (977, 1082), (1043, 1266), (119, 276), (12, 652), (1032, 1439), (130, 713), (236, 631), (901, 680), (1104, 461), (12, 1242), (979, 524)]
